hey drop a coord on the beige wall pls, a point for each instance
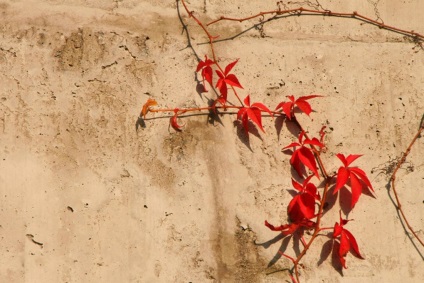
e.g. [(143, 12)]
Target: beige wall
[(112, 204)]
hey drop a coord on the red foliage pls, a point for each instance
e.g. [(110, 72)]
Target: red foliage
[(206, 68), (346, 240), (227, 78), (252, 112), (301, 103), (303, 156), (302, 206), (358, 178)]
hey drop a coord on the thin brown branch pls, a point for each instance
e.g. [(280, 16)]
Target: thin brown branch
[(302, 11), (393, 179)]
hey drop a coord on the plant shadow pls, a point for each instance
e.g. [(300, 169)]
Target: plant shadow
[(402, 222), (244, 136), (139, 123)]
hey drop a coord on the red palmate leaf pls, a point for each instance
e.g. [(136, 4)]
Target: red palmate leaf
[(353, 243), (301, 103), (300, 207), (346, 241), (230, 66), (231, 79), (206, 68), (303, 156), (307, 158), (307, 187), (357, 177), (227, 78), (252, 112)]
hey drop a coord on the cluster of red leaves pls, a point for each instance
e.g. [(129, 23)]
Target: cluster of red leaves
[(302, 208), (346, 241), (301, 212), (225, 77)]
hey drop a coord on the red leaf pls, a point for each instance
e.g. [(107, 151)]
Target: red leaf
[(361, 174), (353, 243), (312, 190), (293, 144), (247, 100), (342, 159), (223, 90), (313, 141), (230, 67), (207, 74), (297, 186), (205, 63), (255, 115), (306, 97), (304, 106), (220, 75), (241, 115), (347, 241), (231, 79), (262, 107), (337, 230), (295, 162), (351, 158), (302, 133), (287, 109), (342, 176), (252, 112), (356, 186), (302, 206), (308, 159), (344, 248), (205, 66), (307, 205)]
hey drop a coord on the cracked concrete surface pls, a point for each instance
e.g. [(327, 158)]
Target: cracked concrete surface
[(84, 197)]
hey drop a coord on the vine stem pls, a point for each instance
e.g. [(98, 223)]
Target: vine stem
[(329, 13), (196, 109), (393, 179), (315, 150), (211, 40)]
